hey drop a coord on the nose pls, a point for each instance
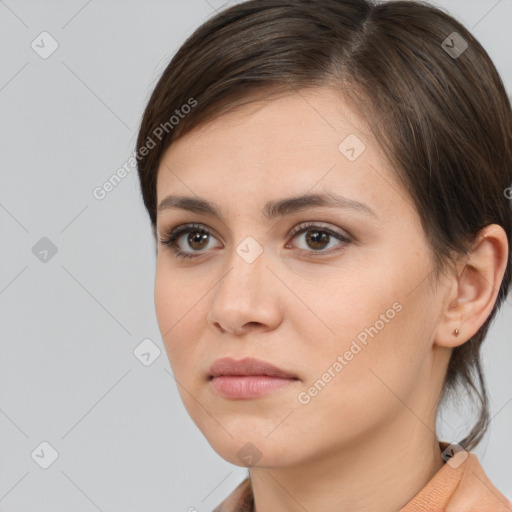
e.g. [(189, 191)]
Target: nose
[(246, 298)]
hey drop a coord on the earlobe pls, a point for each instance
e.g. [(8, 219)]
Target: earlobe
[(474, 288)]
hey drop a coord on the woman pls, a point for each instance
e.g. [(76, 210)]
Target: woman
[(327, 185)]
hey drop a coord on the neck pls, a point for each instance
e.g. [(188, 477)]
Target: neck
[(379, 473)]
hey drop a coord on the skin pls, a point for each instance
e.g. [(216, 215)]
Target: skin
[(367, 440)]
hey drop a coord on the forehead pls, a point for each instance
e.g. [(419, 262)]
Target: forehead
[(290, 144), (318, 117)]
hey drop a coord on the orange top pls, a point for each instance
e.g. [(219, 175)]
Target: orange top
[(461, 485)]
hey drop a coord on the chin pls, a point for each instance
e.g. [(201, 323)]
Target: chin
[(252, 449)]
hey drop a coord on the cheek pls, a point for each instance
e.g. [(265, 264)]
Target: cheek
[(355, 379), (176, 313), (175, 301), (165, 297), (378, 344)]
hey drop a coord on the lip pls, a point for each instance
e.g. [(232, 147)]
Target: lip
[(247, 378), (247, 366)]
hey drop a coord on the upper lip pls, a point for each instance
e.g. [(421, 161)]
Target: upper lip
[(247, 366)]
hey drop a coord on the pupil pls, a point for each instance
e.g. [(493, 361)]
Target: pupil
[(197, 237), (318, 237)]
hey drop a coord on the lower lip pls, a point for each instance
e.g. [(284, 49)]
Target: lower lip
[(248, 386)]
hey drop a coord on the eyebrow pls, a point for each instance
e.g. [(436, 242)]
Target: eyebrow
[(272, 209)]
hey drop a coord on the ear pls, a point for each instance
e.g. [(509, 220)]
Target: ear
[(473, 290)]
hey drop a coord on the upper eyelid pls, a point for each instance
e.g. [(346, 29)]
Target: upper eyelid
[(315, 224)]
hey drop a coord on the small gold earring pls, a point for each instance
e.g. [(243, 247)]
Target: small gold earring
[(456, 332)]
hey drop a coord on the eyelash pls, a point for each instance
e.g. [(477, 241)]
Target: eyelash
[(169, 238)]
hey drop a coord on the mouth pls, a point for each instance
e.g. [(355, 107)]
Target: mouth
[(247, 378)]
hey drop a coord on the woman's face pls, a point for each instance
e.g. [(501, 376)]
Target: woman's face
[(344, 306)]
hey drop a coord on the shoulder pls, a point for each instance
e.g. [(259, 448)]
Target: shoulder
[(461, 485), (476, 492)]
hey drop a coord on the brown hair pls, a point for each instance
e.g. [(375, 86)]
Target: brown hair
[(439, 110)]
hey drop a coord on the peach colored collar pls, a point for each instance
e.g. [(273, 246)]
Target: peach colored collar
[(461, 485)]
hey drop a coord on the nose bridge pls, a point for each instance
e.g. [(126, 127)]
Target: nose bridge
[(246, 269)]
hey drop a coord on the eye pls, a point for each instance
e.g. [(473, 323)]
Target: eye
[(318, 237), (198, 237)]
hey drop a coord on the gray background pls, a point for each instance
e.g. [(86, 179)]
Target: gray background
[(70, 324)]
